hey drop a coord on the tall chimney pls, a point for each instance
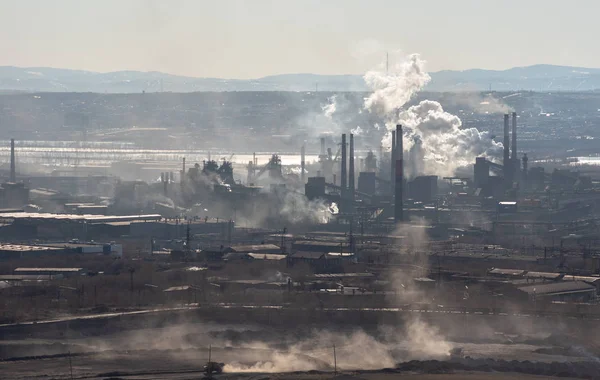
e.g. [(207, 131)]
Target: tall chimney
[(13, 171), (343, 176), (513, 147), (392, 163), (302, 163), (322, 146), (182, 177), (351, 168), (344, 173), (506, 161), (398, 202)]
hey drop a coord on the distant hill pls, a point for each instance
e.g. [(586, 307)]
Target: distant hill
[(536, 78)]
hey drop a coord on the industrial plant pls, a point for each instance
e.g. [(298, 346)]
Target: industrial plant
[(423, 221)]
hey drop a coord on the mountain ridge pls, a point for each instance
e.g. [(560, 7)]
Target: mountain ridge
[(539, 77)]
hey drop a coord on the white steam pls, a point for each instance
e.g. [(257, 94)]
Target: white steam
[(330, 108), (437, 144), (392, 90), (434, 140), (297, 209)]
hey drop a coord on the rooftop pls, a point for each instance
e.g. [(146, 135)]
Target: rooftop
[(57, 270), (26, 248), (556, 288), (267, 256), (256, 248), (77, 218)]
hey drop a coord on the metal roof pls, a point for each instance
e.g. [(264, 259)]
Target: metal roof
[(58, 270), (26, 248), (544, 275), (308, 255), (178, 288), (555, 288), (255, 248), (506, 272), (25, 277), (76, 217), (342, 275), (267, 256)]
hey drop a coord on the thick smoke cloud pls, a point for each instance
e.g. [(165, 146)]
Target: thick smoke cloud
[(434, 140), (392, 90), (438, 144)]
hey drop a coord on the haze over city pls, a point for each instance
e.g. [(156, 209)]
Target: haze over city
[(252, 39), (286, 190)]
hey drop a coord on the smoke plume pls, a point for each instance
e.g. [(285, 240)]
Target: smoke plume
[(434, 139)]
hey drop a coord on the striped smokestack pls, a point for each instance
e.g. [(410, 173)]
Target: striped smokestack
[(399, 177)]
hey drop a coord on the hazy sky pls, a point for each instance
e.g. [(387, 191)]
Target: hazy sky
[(254, 38)]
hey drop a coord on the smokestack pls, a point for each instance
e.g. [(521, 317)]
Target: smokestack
[(398, 202), (344, 173), (514, 140), (322, 146), (506, 160), (392, 162), (351, 168), (13, 171), (302, 163), (525, 161), (183, 171), (164, 178)]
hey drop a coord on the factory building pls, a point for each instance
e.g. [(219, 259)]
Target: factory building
[(424, 188)]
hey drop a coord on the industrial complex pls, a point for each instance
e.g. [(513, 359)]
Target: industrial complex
[(342, 230)]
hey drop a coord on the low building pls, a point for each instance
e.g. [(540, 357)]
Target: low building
[(560, 291), (64, 272), (19, 251)]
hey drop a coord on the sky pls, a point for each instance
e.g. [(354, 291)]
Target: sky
[(257, 38)]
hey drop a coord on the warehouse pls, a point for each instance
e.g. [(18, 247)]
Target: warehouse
[(560, 291)]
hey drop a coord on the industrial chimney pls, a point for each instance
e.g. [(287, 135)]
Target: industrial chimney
[(344, 172), (183, 172), (399, 178), (343, 176), (351, 169), (302, 163), (514, 159), (393, 163), (514, 139), (13, 171), (506, 161)]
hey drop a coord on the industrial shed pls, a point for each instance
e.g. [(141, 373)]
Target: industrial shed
[(560, 291)]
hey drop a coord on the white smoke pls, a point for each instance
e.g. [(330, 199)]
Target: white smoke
[(330, 108), (358, 131), (298, 209), (392, 90), (434, 141), (437, 144)]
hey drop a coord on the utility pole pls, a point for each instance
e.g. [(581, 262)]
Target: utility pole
[(334, 361)]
